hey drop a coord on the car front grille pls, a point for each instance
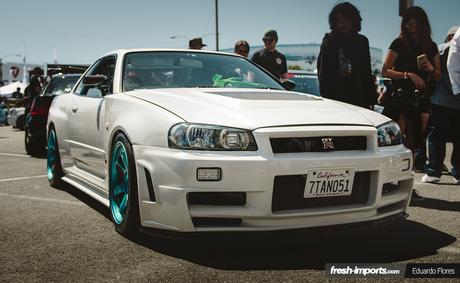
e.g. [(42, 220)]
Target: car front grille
[(318, 144), (288, 193)]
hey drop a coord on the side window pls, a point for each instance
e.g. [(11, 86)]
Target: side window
[(80, 87), (106, 67)]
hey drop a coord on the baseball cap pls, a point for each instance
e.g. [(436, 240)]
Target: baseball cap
[(271, 34)]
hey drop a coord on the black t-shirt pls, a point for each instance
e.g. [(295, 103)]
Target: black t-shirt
[(272, 61), (344, 69), (407, 59)]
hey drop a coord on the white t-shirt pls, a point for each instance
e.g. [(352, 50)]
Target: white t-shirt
[(453, 63)]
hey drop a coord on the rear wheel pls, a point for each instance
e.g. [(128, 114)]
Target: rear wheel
[(53, 160), (20, 123), (123, 198), (33, 147), (27, 144)]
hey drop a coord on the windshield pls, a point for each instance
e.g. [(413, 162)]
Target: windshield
[(60, 85), (150, 70), (305, 83)]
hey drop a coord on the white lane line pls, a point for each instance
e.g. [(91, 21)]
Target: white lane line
[(22, 178), (15, 155), (42, 199)]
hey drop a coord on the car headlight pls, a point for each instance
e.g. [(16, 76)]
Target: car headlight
[(209, 137), (389, 134)]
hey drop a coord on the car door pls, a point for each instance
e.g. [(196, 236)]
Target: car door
[(87, 120)]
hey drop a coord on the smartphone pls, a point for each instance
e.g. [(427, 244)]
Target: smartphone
[(422, 59)]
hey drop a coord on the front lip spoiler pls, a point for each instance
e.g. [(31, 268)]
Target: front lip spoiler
[(302, 232)]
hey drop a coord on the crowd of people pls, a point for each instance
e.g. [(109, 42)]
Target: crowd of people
[(425, 99), (425, 96)]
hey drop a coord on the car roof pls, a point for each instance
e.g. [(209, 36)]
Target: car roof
[(122, 52)]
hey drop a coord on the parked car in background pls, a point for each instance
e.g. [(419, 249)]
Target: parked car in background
[(16, 117), (147, 133), (306, 82), (35, 129)]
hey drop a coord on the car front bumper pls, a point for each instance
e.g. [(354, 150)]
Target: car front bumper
[(172, 176)]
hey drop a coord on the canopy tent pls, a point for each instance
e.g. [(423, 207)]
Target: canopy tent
[(7, 91)]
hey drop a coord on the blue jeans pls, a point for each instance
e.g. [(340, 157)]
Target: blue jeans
[(446, 124), (420, 157)]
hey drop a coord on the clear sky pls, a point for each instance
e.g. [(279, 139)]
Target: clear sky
[(83, 30)]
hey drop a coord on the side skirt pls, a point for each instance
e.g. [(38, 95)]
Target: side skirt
[(87, 188)]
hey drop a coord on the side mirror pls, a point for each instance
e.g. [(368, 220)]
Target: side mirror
[(94, 80), (288, 84)]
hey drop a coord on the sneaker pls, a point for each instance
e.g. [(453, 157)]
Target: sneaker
[(456, 181), (430, 179), (416, 196)]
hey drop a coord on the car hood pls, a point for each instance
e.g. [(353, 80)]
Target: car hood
[(256, 108)]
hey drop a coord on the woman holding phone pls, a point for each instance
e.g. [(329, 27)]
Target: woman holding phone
[(413, 65)]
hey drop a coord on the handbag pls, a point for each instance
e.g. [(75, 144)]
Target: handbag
[(401, 99)]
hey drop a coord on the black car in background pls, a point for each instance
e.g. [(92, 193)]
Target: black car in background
[(305, 82), (35, 130)]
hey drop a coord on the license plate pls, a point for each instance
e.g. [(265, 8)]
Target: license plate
[(329, 182)]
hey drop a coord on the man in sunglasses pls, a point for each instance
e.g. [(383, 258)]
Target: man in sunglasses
[(269, 58)]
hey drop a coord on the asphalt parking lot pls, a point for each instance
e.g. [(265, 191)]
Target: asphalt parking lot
[(63, 235)]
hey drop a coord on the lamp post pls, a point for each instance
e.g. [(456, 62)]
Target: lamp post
[(179, 36), (217, 25), (404, 5)]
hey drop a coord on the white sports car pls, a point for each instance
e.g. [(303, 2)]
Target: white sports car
[(189, 141)]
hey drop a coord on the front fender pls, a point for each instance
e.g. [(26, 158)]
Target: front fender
[(142, 122)]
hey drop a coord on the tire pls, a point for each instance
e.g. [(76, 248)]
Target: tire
[(20, 123), (123, 198), (53, 160), (27, 142), (32, 146)]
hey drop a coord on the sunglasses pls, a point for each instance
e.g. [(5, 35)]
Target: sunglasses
[(267, 39), (411, 23)]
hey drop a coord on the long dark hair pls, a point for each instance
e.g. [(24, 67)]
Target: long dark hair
[(241, 43), (423, 28), (347, 10)]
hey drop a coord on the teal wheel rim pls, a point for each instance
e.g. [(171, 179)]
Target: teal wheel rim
[(119, 182), (51, 155)]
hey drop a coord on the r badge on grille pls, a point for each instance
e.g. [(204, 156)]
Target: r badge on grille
[(327, 143)]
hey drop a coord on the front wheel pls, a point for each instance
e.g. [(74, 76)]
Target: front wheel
[(123, 198)]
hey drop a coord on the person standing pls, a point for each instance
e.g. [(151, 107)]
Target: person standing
[(445, 114), (241, 48), (413, 65), (269, 58), (31, 91), (453, 63), (344, 61), (17, 93), (196, 43)]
